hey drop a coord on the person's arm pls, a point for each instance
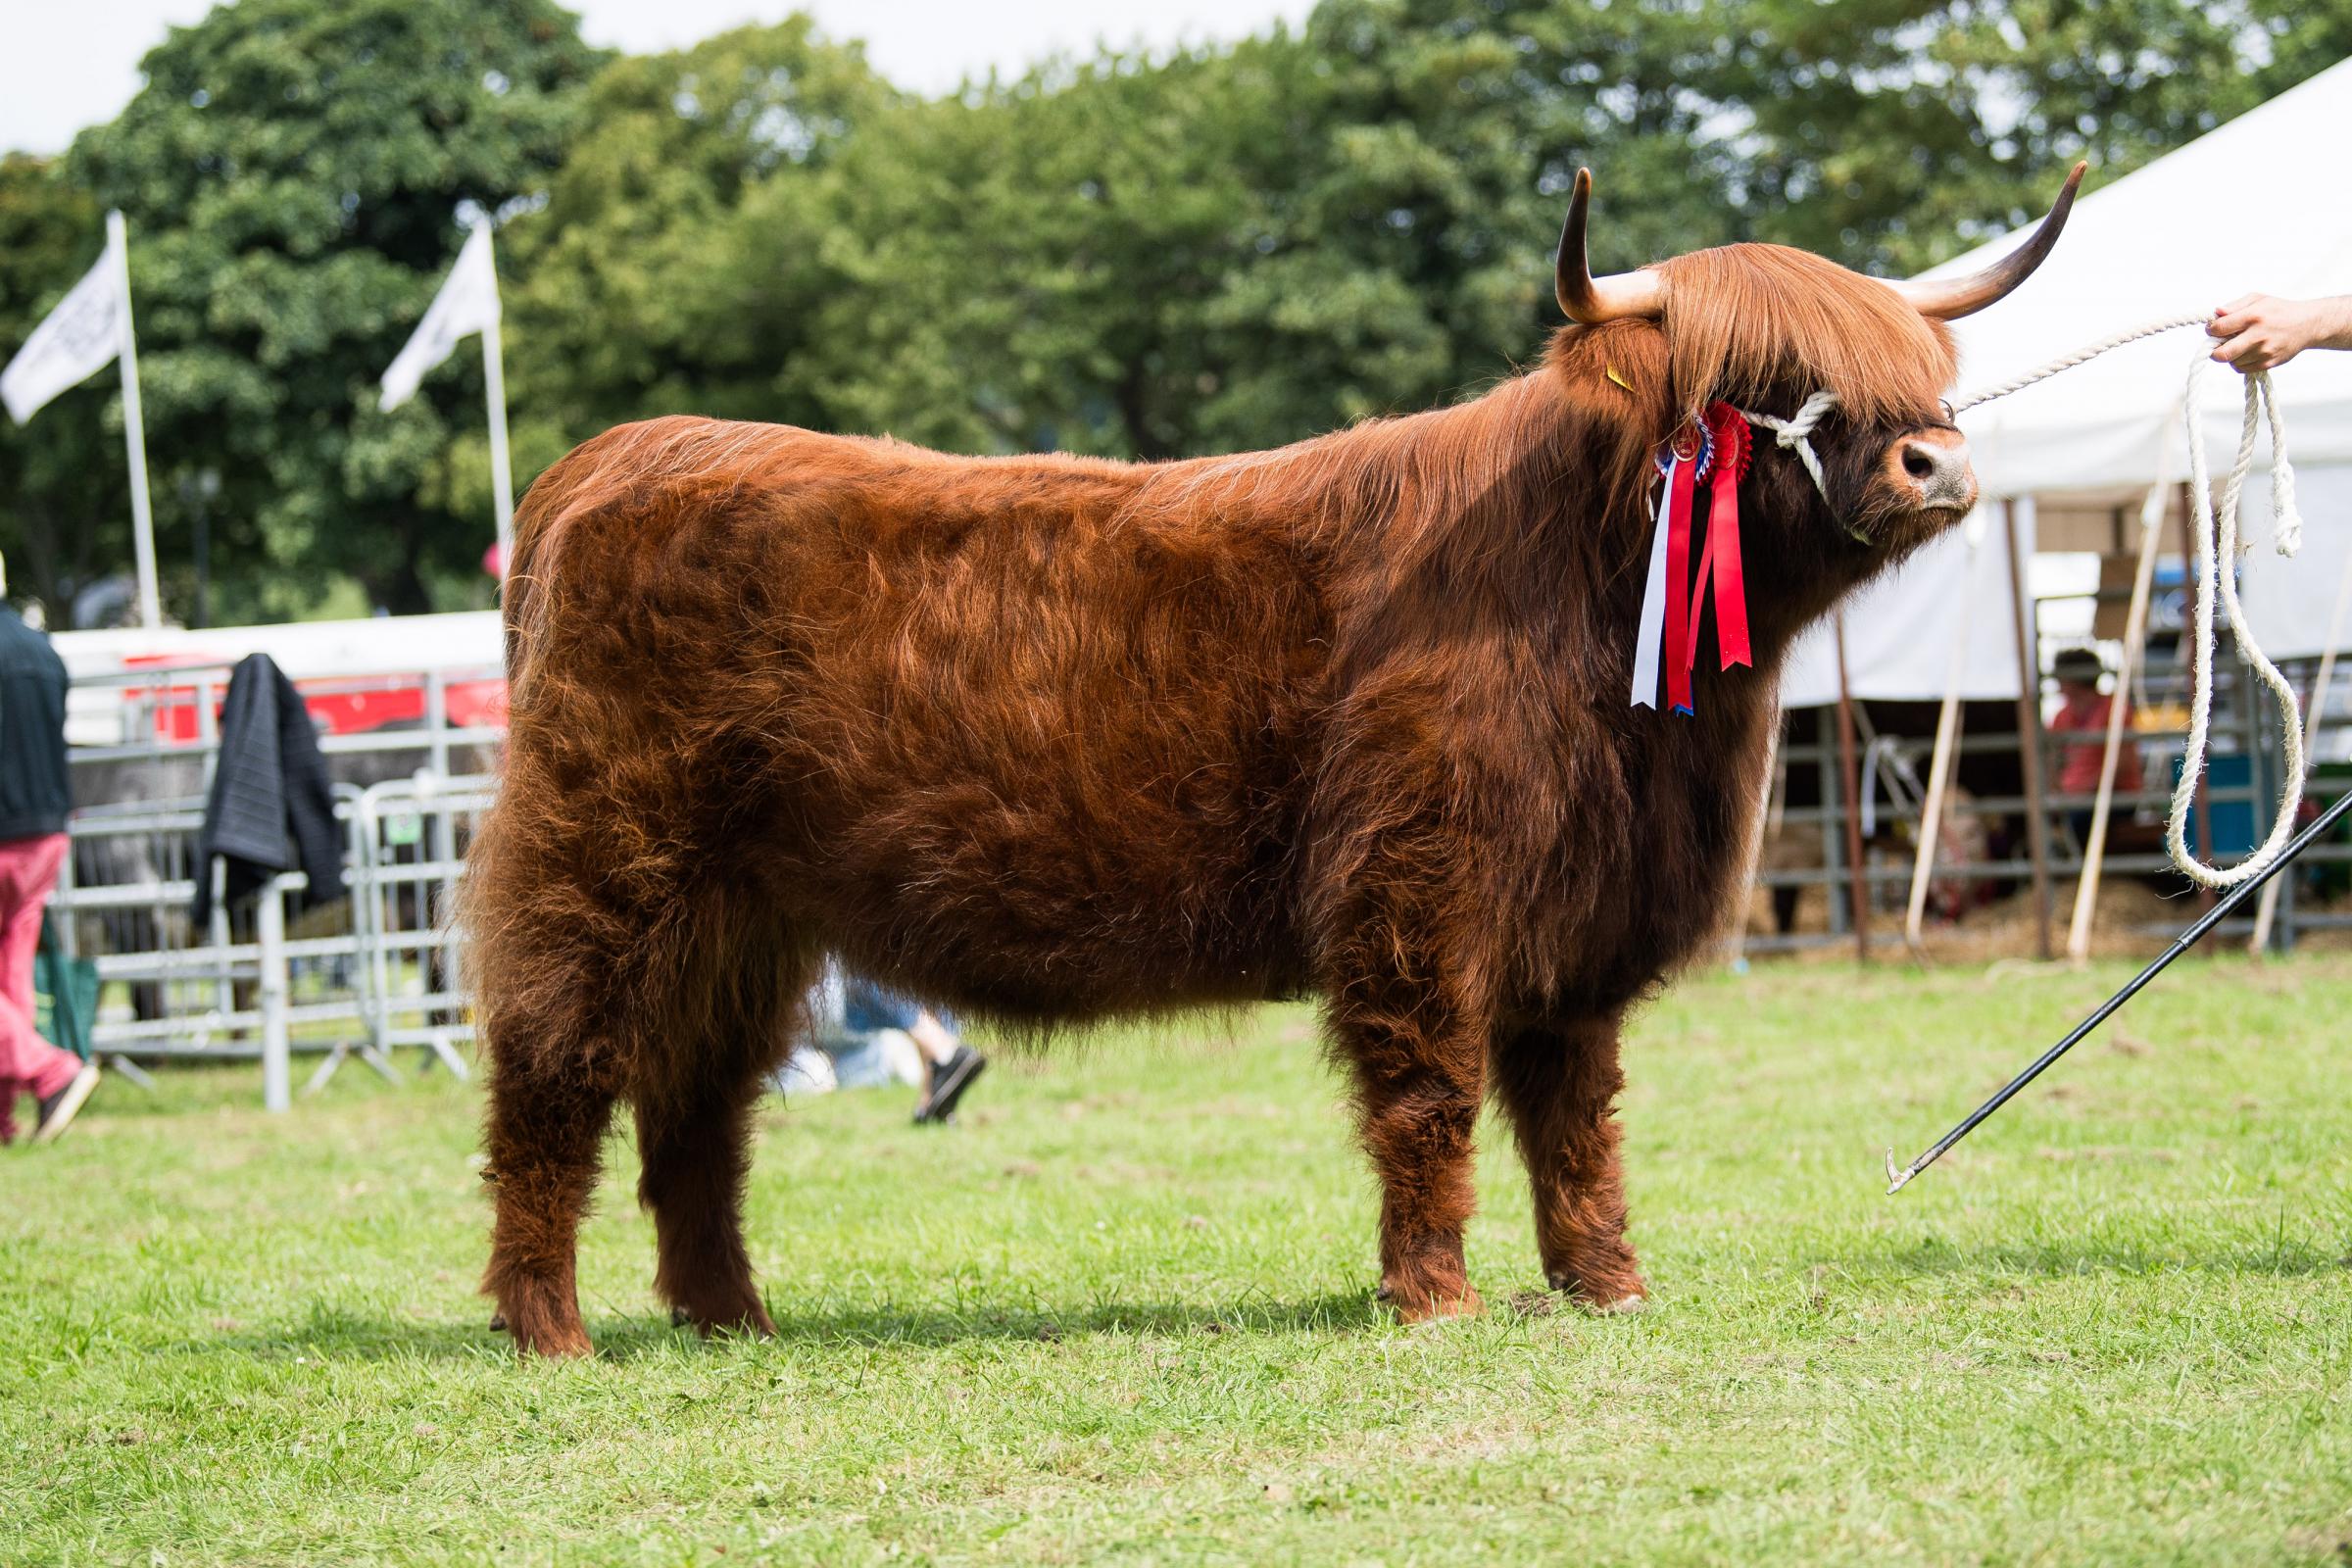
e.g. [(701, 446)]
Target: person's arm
[(2261, 332)]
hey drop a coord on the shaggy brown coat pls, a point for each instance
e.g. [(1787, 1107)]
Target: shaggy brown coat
[(1051, 739)]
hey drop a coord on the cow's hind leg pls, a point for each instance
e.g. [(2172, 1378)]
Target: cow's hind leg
[(1418, 1064), (576, 943), (544, 1134), (1558, 1083), (693, 1136)]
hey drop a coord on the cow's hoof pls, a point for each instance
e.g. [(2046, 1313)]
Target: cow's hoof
[(555, 1344), (752, 1323), (543, 1320), (1414, 1307), (1604, 1297), (557, 1350), (749, 1328)]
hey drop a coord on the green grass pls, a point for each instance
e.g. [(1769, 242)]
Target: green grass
[(1122, 1315)]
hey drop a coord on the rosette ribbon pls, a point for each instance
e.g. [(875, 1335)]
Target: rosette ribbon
[(1716, 451)]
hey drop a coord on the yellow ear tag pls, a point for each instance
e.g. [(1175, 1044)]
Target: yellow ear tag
[(1619, 379)]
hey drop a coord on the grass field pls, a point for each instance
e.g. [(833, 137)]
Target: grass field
[(1122, 1314)]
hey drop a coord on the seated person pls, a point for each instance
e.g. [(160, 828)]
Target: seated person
[(866, 1031), (2083, 712)]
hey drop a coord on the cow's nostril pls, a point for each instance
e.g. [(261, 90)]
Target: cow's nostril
[(1917, 464)]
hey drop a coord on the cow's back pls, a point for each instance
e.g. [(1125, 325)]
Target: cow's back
[(998, 727)]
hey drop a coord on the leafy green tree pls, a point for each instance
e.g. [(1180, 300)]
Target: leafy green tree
[(64, 502), (1019, 268), (292, 174), (635, 300), (1236, 247), (1409, 258), (1893, 134), (1245, 246)]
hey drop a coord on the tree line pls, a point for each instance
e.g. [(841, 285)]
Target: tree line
[(1134, 256)]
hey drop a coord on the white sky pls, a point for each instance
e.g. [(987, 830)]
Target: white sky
[(69, 64)]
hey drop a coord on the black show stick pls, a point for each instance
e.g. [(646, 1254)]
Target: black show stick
[(1897, 1180)]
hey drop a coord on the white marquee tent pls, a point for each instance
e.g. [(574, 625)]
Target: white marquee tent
[(2233, 213)]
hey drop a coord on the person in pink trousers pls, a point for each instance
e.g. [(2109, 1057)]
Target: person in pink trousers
[(34, 797)]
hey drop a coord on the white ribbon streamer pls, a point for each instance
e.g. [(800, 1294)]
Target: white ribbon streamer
[(1652, 632)]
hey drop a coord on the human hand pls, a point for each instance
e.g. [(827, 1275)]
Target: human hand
[(2261, 332)]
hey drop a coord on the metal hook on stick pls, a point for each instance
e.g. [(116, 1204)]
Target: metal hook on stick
[(1898, 1179)]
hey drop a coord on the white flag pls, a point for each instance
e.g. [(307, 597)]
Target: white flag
[(467, 303), (82, 336)]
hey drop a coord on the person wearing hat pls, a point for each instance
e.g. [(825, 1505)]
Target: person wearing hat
[(34, 797), (2083, 710), (2261, 332)]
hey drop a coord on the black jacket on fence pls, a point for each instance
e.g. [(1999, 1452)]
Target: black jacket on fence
[(273, 809), (34, 793)]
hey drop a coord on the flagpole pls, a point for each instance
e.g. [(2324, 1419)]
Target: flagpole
[(502, 468), (134, 433)]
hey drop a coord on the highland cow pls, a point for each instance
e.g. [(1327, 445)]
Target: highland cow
[(1051, 739)]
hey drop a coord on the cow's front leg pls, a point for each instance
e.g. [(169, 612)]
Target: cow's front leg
[(1558, 1083), (1418, 1066)]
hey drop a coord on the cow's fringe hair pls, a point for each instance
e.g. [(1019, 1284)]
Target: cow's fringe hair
[(1741, 320)]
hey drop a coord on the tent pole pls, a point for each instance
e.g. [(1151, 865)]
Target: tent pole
[(1858, 884), (2095, 853), (1755, 859), (2313, 713), (2029, 737), (1940, 770), (1833, 846), (1931, 813)]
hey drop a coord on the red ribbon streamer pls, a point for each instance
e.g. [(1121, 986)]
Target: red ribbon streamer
[(1706, 562), (1679, 622), (1723, 537), (1726, 439)]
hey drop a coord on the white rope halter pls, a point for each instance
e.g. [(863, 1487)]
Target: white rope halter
[(1796, 434)]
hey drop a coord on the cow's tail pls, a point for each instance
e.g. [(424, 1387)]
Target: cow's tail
[(531, 571), (491, 921), (480, 918)]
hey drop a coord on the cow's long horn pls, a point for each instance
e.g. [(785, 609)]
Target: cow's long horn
[(1950, 298), (1586, 298)]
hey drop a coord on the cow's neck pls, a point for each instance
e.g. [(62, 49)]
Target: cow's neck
[(1524, 512)]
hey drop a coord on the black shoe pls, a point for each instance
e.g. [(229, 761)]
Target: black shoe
[(949, 1080), (59, 1109)]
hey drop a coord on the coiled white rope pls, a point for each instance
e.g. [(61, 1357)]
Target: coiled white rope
[(2217, 564), (2215, 538)]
